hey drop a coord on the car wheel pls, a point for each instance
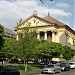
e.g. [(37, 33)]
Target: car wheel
[(42, 72)]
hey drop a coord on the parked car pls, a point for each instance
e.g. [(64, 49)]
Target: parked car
[(30, 62), (65, 66), (54, 62), (21, 62), (72, 65), (9, 70), (52, 68), (45, 62)]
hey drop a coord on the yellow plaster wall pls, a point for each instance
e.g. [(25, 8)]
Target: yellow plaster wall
[(61, 37)]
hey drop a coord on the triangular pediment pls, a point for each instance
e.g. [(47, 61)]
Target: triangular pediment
[(34, 21)]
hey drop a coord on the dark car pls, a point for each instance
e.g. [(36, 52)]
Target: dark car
[(65, 66), (9, 70), (45, 62)]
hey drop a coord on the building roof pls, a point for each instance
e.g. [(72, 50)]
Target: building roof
[(8, 31), (53, 20)]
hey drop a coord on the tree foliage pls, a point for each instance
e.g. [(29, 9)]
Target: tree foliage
[(49, 50), (43, 50), (68, 53), (1, 36), (8, 49)]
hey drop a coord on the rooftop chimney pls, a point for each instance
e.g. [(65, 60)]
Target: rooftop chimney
[(35, 12)]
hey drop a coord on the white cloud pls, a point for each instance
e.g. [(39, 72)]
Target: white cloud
[(62, 4), (11, 12), (55, 12), (65, 22), (60, 12)]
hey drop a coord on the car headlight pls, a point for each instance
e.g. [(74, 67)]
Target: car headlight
[(63, 68)]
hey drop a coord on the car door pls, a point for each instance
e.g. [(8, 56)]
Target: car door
[(57, 68), (5, 72), (13, 70), (74, 64)]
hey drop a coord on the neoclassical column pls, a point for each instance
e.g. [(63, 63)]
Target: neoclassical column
[(71, 41), (17, 38), (38, 35), (45, 35), (53, 36)]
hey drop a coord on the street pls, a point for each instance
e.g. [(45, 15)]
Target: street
[(71, 72)]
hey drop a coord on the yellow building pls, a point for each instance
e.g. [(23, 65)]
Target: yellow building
[(49, 29)]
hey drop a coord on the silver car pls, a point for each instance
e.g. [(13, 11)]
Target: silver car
[(52, 68), (72, 65)]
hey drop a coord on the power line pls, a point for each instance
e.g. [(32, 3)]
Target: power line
[(43, 1)]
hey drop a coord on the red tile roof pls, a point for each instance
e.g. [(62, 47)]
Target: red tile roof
[(50, 19)]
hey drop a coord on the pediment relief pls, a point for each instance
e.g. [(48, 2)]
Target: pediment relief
[(34, 21)]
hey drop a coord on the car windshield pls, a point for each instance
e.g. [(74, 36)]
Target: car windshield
[(50, 66), (71, 63), (63, 64), (10, 68)]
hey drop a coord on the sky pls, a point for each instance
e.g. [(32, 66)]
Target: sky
[(13, 10)]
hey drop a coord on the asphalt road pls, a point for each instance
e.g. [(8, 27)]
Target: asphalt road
[(71, 72)]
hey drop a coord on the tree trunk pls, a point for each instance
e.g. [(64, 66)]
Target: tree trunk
[(49, 60), (2, 61), (25, 64)]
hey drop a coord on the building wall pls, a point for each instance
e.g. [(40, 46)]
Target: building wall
[(9, 33), (61, 37)]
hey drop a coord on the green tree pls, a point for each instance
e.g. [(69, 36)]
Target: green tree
[(68, 53), (8, 49), (43, 50), (27, 42), (56, 49), (1, 36), (48, 50)]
